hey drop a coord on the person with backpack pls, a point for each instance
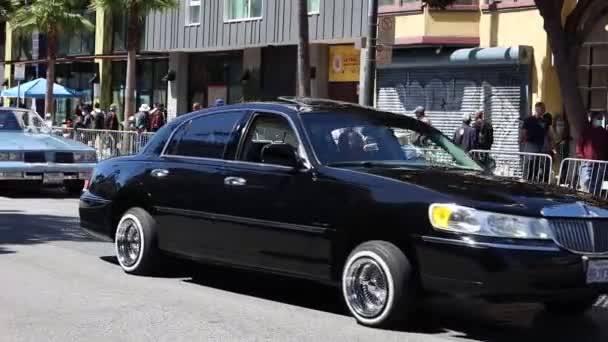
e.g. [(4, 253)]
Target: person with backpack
[(157, 117), (99, 117), (112, 118), (142, 118), (87, 117)]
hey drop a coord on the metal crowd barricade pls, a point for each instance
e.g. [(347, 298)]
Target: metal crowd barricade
[(107, 143), (434, 156), (584, 175), (531, 167)]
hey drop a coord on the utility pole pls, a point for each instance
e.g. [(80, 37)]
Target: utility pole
[(303, 50), (366, 90)]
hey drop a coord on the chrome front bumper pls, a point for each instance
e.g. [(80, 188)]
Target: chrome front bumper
[(16, 171)]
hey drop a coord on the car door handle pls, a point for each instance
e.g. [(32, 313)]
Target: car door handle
[(235, 181), (159, 173)]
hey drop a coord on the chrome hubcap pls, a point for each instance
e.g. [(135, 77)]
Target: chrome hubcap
[(366, 287), (128, 242)]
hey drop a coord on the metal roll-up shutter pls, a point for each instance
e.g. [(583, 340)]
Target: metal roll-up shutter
[(448, 93)]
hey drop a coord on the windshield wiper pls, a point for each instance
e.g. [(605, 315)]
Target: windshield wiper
[(369, 164), (452, 168), (356, 163)]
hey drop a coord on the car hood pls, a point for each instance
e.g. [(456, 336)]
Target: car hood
[(488, 192), (17, 141)]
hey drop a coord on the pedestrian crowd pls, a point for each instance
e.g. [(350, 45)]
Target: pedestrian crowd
[(93, 117), (475, 132)]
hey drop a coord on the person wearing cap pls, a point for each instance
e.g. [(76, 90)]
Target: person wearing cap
[(420, 113), (142, 118), (219, 103), (466, 136)]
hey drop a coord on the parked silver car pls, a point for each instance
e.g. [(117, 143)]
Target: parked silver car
[(29, 153)]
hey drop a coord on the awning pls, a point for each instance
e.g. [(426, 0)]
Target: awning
[(37, 89)]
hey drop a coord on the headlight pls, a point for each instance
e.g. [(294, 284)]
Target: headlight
[(457, 219), (85, 157), (11, 156)]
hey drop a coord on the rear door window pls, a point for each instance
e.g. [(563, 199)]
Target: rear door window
[(206, 136)]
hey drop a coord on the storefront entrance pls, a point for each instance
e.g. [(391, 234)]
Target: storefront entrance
[(215, 76)]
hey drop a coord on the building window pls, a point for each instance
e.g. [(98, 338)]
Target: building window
[(81, 42), (508, 3), (314, 6), (150, 87), (399, 5), (194, 12), (119, 33), (242, 9)]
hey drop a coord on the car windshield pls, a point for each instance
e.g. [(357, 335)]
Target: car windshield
[(21, 121), (365, 137)]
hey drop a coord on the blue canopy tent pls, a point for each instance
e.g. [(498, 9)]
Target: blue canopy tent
[(37, 89)]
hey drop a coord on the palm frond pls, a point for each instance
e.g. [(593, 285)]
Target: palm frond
[(144, 6), (63, 15)]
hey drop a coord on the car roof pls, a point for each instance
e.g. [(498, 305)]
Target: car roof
[(290, 106)]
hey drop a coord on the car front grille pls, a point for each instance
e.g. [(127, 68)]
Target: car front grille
[(581, 236), (64, 157), (34, 157)]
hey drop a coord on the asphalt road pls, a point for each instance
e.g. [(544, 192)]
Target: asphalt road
[(57, 285)]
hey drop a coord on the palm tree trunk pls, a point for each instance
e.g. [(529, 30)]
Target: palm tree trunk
[(132, 45), (565, 57), (303, 50), (51, 52)]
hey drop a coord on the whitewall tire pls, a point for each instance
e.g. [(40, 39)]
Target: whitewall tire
[(377, 285), (135, 242)]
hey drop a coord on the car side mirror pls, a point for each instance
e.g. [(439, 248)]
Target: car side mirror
[(281, 154)]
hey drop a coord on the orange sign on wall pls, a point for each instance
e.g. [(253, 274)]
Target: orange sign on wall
[(344, 63)]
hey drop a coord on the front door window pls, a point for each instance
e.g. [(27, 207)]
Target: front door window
[(267, 129)]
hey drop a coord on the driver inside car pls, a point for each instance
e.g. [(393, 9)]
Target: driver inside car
[(351, 144)]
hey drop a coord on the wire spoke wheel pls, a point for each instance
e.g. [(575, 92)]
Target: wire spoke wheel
[(128, 242), (366, 287)]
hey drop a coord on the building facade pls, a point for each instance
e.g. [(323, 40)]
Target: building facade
[(92, 62), (482, 55), (240, 50)]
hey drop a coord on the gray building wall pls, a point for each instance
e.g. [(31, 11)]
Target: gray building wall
[(338, 21)]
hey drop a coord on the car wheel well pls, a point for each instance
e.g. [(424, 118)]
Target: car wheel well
[(122, 204), (342, 255)]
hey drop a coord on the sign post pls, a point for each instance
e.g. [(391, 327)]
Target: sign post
[(19, 76)]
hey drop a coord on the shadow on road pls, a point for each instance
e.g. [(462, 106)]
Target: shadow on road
[(18, 228), (272, 287), (35, 193), (480, 321), (458, 318)]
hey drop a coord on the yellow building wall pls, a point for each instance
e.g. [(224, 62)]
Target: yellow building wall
[(412, 25), (525, 27), (437, 24), (450, 24), (496, 29), (8, 55)]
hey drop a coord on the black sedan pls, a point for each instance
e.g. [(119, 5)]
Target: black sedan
[(380, 204)]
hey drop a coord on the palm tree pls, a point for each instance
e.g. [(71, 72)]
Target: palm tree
[(6, 8), (136, 11), (51, 17)]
